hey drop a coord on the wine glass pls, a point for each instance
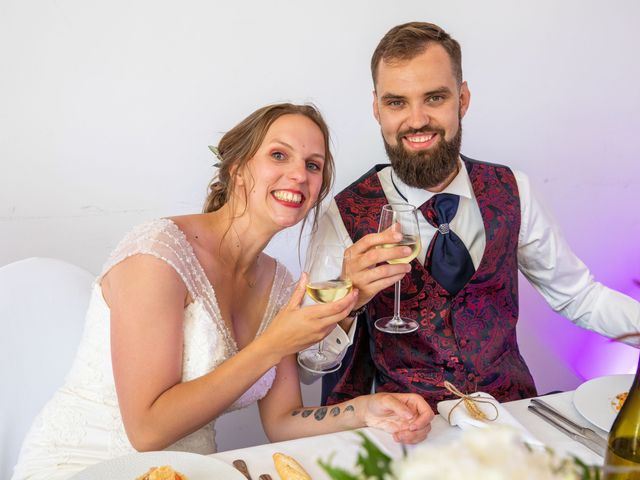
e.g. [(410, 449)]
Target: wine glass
[(403, 218), (328, 281)]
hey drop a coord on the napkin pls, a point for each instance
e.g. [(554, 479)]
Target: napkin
[(461, 417)]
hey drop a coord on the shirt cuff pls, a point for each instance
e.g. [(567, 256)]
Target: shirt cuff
[(337, 342), (334, 347), (352, 331)]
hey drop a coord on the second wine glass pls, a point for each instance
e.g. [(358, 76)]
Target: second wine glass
[(328, 281), (403, 218)]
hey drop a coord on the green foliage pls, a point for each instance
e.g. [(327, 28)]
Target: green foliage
[(334, 472), (372, 464), (586, 472)]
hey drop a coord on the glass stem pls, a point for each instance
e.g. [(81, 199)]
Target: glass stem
[(320, 345), (396, 307)]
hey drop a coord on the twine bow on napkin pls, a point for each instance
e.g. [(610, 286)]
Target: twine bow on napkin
[(470, 402), (480, 410)]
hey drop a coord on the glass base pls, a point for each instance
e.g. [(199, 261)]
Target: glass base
[(396, 325), (314, 362)]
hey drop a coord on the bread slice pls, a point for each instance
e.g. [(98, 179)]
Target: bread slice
[(288, 468)]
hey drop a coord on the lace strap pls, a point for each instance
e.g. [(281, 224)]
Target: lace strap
[(281, 291), (164, 240)]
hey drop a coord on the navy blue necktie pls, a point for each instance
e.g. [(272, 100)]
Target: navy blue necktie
[(450, 263)]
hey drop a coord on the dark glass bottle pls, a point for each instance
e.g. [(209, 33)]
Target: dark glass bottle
[(624, 438)]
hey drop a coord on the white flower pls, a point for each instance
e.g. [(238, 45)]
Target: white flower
[(489, 454)]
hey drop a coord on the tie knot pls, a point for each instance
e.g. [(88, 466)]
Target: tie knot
[(443, 228), (440, 209)]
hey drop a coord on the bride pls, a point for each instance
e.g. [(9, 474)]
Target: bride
[(190, 319)]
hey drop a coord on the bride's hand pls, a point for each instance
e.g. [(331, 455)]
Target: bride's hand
[(297, 327), (405, 415)]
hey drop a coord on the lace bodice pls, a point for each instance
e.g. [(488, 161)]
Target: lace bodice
[(82, 423)]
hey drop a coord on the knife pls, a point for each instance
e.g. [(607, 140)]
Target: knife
[(590, 444), (585, 431)]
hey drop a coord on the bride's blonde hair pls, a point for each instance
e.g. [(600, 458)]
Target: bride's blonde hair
[(242, 142)]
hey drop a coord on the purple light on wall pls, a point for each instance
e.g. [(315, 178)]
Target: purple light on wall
[(600, 356)]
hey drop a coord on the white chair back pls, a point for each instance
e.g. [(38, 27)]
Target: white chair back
[(43, 302)]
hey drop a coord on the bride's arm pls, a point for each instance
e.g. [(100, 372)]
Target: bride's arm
[(147, 298), (407, 416)]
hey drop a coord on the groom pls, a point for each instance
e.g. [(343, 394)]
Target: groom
[(479, 225)]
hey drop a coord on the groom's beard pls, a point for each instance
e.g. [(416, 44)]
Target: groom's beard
[(427, 168)]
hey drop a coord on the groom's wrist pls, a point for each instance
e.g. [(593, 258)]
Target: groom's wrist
[(358, 311)]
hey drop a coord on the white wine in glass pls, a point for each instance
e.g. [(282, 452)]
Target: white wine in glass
[(328, 282), (412, 241), (329, 290), (403, 218)]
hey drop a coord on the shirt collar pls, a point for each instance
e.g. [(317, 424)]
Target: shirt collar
[(460, 185)]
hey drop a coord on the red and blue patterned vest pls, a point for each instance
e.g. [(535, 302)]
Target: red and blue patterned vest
[(468, 339)]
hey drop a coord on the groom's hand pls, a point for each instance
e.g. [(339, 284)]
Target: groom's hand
[(368, 267)]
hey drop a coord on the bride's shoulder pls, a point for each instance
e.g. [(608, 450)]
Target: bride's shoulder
[(181, 229), (161, 238), (188, 223)]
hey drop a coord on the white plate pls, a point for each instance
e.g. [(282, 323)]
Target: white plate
[(129, 467), (596, 399)]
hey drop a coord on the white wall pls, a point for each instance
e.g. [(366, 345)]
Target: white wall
[(107, 108)]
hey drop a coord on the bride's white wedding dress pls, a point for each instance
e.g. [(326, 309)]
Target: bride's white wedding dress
[(81, 425)]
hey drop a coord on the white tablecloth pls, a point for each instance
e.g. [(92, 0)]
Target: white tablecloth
[(344, 446)]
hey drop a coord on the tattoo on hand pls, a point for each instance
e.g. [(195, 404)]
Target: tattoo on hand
[(306, 413), (335, 411), (320, 413), (349, 408), (295, 412)]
